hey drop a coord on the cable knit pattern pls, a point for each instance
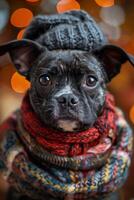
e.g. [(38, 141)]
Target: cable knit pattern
[(71, 144), (28, 160), (33, 171), (70, 30)]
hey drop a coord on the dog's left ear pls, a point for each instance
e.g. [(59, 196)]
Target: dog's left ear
[(23, 54), (112, 57)]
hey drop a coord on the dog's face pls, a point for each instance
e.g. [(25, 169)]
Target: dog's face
[(67, 89), (67, 86)]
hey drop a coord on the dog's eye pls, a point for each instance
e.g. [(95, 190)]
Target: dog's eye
[(91, 80), (45, 79)]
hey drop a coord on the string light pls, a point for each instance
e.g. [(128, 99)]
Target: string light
[(65, 5), (105, 3), (21, 17), (19, 83), (131, 114), (20, 34)]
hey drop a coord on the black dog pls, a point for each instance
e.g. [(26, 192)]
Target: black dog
[(67, 86)]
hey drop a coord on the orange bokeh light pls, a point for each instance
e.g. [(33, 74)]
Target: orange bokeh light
[(65, 5), (21, 17), (105, 3), (19, 83), (131, 114), (20, 34)]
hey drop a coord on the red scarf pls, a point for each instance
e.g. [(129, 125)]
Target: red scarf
[(70, 144)]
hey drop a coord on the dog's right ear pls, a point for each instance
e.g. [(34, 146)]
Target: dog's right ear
[(23, 54)]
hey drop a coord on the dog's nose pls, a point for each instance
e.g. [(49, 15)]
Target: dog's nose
[(68, 99)]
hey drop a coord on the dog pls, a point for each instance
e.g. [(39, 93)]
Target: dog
[(68, 86)]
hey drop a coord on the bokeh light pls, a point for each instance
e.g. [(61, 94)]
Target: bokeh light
[(113, 16), (50, 8), (116, 20), (20, 34), (105, 3), (4, 14), (65, 5), (21, 17), (19, 83), (131, 114), (112, 32)]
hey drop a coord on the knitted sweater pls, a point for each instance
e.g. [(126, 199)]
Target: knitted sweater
[(32, 170)]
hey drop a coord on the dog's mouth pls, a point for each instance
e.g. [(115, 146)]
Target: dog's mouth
[(68, 125), (68, 122), (71, 125)]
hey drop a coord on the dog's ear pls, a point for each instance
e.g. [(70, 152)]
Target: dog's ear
[(112, 57), (23, 54)]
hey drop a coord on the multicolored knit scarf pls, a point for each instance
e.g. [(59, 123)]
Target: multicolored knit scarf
[(40, 170)]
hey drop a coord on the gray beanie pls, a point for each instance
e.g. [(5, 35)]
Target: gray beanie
[(70, 30)]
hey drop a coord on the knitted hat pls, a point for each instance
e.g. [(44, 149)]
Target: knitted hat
[(70, 30)]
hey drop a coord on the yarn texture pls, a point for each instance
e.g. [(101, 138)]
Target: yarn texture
[(70, 30), (35, 171), (34, 159), (71, 144)]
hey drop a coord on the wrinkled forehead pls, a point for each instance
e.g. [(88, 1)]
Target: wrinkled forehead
[(64, 61)]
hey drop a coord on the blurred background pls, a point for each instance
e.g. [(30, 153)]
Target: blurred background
[(116, 19)]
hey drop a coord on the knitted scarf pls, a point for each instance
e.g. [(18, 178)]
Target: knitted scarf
[(71, 144), (40, 170)]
